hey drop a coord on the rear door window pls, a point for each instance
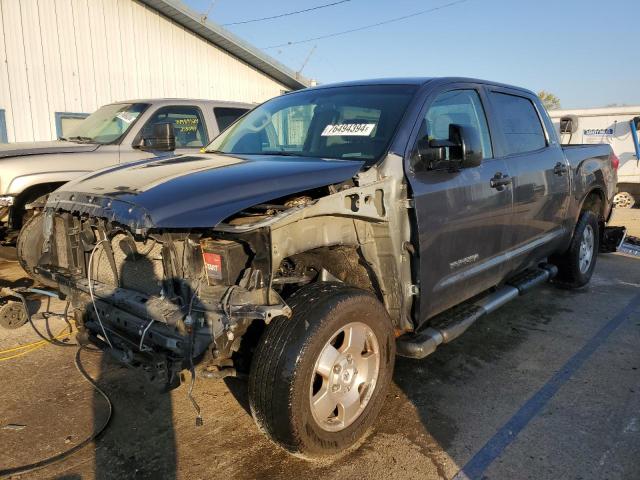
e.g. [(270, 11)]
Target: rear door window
[(519, 122), (188, 125), (225, 116)]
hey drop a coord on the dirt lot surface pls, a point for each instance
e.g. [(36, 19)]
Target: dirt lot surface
[(630, 218), (548, 387)]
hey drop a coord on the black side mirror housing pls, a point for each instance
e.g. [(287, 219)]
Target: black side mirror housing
[(464, 145), (162, 139), (468, 149), (429, 155)]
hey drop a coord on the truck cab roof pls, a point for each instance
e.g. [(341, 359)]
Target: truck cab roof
[(173, 101), (419, 81)]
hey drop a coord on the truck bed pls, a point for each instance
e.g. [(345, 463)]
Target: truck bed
[(576, 154)]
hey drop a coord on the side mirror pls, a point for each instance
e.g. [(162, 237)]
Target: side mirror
[(463, 144), (468, 149), (429, 156), (162, 139)]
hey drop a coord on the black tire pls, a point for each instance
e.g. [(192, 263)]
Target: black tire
[(284, 366), (29, 247), (570, 274)]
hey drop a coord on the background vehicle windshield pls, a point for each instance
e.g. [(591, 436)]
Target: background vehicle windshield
[(108, 123), (343, 122)]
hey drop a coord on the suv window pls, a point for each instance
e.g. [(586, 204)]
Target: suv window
[(519, 122), (460, 107), (188, 125), (225, 116)]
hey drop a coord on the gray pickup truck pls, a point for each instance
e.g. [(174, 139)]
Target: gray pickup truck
[(322, 234), (116, 133)]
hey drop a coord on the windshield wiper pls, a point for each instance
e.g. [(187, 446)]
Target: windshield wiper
[(275, 154), (80, 139), (280, 154)]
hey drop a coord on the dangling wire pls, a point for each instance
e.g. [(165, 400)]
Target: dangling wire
[(93, 300), (192, 370)]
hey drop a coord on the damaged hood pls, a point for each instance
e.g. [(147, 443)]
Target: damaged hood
[(21, 149), (195, 191)]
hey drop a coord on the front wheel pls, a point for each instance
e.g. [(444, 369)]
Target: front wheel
[(318, 380), (29, 247), (576, 265)]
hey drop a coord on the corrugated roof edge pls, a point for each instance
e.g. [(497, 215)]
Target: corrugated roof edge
[(189, 19)]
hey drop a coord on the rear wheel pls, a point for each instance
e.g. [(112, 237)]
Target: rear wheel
[(318, 379), (576, 265)]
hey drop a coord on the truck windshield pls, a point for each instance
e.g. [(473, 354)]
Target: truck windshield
[(107, 124), (354, 122)]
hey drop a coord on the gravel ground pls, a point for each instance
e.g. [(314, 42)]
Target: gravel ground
[(548, 387)]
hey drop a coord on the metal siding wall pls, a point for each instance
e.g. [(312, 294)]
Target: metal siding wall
[(36, 76), (114, 51), (52, 64), (5, 86), (18, 80), (68, 55), (76, 55), (99, 47), (86, 70)]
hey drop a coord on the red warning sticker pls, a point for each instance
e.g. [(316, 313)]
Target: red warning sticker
[(213, 264)]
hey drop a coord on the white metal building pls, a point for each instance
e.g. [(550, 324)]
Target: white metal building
[(62, 59)]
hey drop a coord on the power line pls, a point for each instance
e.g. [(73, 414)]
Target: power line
[(286, 14), (365, 27)]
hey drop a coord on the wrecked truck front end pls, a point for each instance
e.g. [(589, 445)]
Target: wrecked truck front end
[(160, 296), (160, 300)]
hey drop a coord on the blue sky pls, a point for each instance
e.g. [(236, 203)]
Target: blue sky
[(587, 52)]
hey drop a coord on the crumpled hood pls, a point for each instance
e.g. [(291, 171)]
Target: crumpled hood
[(39, 148), (195, 191)]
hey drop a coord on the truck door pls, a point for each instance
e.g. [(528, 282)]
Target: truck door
[(540, 173), (463, 216)]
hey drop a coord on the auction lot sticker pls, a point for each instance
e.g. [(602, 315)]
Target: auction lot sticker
[(351, 129)]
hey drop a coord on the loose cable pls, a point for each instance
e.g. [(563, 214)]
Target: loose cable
[(60, 456), (93, 300), (144, 332), (192, 370)]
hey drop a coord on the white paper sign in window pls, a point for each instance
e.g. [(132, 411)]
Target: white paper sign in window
[(349, 129)]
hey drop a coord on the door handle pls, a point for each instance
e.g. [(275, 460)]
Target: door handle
[(560, 169), (499, 181)]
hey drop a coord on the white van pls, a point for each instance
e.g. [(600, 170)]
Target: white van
[(617, 126)]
